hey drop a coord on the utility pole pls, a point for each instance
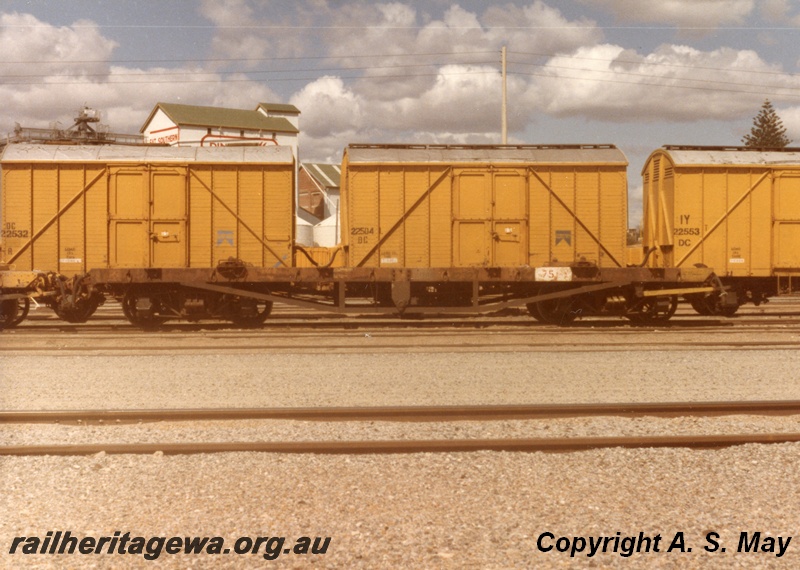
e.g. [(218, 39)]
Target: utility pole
[(504, 118)]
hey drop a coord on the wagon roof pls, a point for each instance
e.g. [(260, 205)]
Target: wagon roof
[(144, 153), (543, 154), (730, 156)]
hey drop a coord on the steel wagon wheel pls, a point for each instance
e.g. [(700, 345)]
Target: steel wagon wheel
[(13, 312), (79, 313), (653, 310), (135, 316), (710, 307), (555, 312), (249, 312)]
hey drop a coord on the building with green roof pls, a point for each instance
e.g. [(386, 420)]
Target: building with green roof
[(177, 124)]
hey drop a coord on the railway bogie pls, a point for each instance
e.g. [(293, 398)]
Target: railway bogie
[(19, 290), (151, 306)]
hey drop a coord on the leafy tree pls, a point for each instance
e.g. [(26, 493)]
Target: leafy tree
[(768, 130)]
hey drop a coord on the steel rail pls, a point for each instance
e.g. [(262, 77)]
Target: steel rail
[(409, 413), (427, 347), (30, 341), (518, 321), (38, 324), (552, 445)]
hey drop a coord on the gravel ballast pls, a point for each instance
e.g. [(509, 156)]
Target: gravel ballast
[(478, 510), (411, 378), (470, 510)]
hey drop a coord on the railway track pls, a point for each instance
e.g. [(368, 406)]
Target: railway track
[(111, 323), (409, 413), (338, 334), (412, 414), (376, 340), (560, 445)]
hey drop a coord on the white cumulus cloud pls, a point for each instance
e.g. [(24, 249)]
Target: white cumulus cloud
[(50, 72), (674, 82), (683, 13)]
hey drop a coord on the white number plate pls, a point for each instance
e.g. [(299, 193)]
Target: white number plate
[(553, 274)]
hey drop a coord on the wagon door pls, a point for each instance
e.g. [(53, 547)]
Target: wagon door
[(128, 212), (168, 217), (472, 223), (786, 226), (147, 217), (509, 219)]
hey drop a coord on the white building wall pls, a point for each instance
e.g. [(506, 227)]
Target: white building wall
[(162, 130), (331, 202)]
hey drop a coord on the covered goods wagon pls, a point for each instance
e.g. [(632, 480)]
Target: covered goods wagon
[(69, 209), (483, 206), (73, 208), (736, 210)]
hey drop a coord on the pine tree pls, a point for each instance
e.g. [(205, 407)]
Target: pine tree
[(768, 130)]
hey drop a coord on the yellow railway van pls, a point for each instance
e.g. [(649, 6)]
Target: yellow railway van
[(736, 210), (73, 208), (70, 209), (484, 206)]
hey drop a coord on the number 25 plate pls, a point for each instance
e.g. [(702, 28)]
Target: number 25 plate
[(553, 274)]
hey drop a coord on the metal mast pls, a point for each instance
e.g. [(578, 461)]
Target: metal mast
[(504, 119)]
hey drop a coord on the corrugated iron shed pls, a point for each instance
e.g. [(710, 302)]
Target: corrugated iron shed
[(544, 154)]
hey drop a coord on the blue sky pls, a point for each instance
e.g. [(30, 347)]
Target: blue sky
[(635, 73)]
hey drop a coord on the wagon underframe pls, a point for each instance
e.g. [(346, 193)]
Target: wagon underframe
[(551, 294)]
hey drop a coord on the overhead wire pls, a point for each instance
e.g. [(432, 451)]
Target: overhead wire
[(658, 63), (646, 75), (663, 85), (347, 72), (249, 59), (249, 71), (250, 79)]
